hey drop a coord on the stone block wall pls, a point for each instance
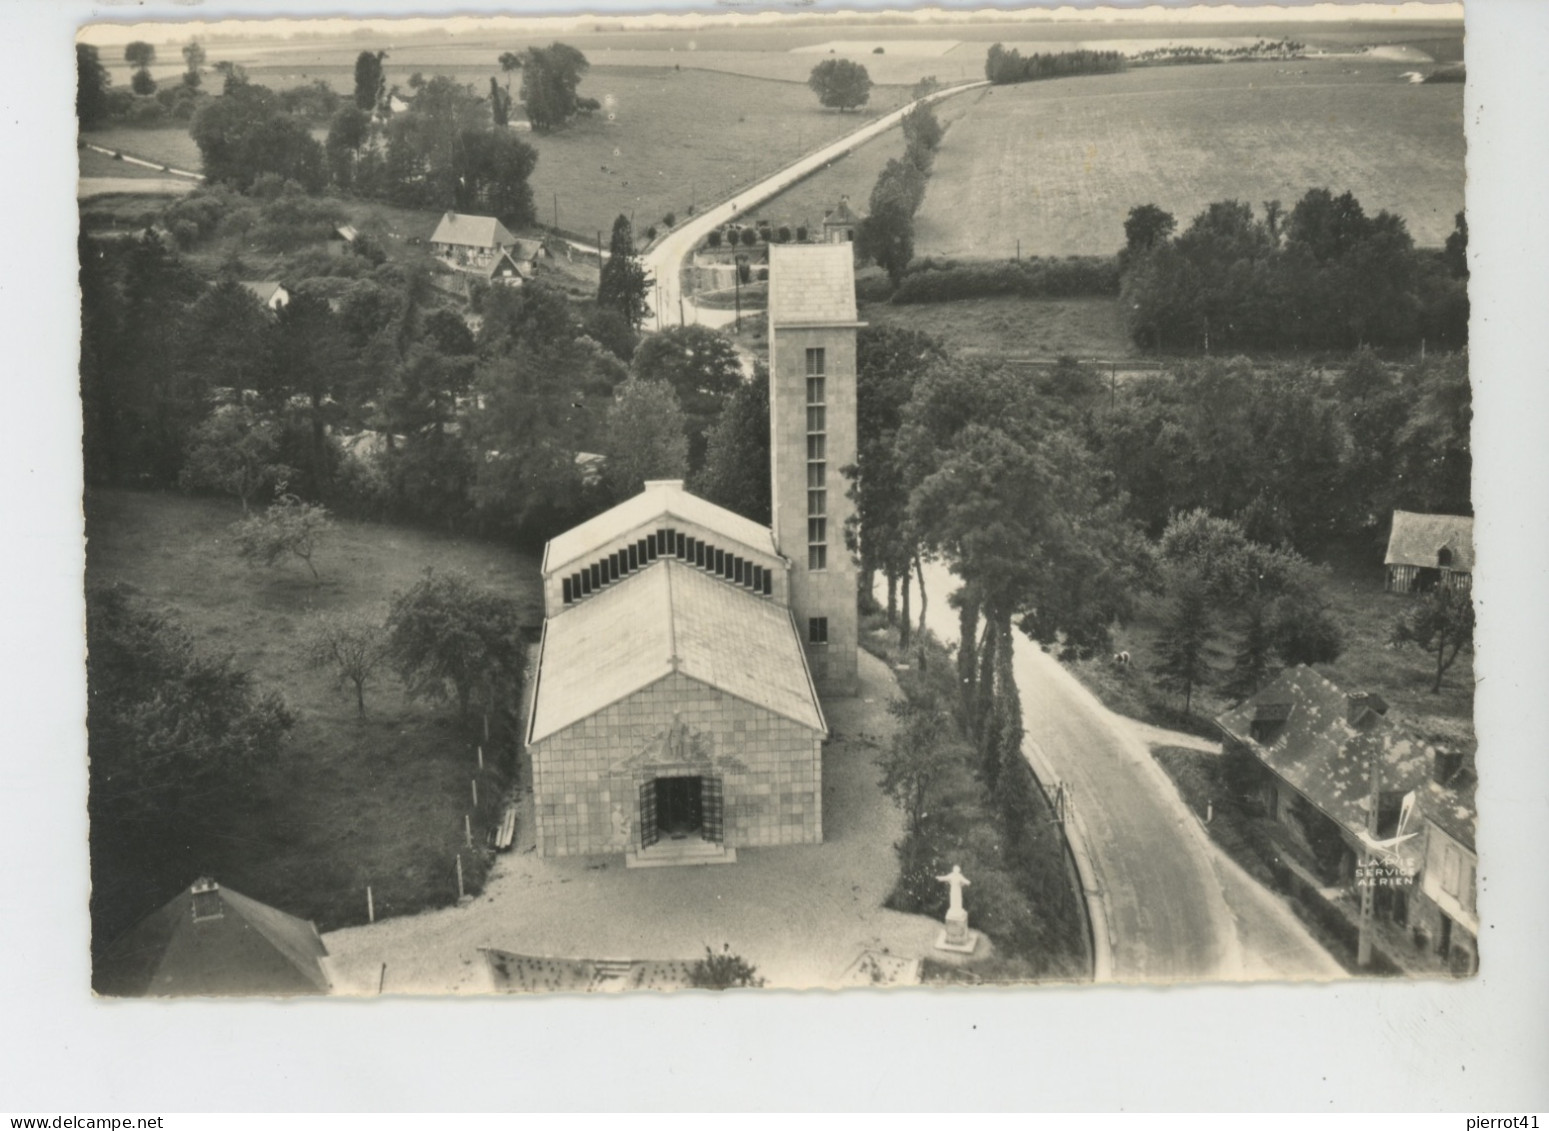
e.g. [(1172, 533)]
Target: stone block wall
[(587, 778)]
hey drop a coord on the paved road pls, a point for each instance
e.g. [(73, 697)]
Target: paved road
[(664, 262), (1174, 907)]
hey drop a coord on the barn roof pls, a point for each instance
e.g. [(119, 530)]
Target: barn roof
[(811, 283), (471, 231), (662, 499), (1325, 756), (670, 618), (212, 941), (1416, 539)]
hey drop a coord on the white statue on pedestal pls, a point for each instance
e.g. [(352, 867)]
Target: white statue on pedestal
[(956, 936)]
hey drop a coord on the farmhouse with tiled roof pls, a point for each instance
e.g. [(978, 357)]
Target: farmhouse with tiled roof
[(1319, 759)]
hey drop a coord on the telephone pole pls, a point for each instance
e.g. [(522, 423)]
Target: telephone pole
[(1363, 948)]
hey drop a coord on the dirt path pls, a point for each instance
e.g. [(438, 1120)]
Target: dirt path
[(801, 914)]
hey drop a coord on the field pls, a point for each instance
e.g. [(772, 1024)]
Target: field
[(1366, 614), (951, 49), (852, 175), (678, 139), (1059, 164), (169, 145), (349, 803), (1020, 327)]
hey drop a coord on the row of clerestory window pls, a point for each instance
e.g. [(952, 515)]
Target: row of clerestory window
[(666, 543), (817, 459)]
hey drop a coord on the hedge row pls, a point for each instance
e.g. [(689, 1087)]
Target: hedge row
[(944, 280)]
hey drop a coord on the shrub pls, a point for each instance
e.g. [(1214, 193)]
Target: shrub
[(931, 281), (763, 274), (714, 239), (873, 288), (783, 235), (650, 233), (801, 233), (670, 220), (749, 237)]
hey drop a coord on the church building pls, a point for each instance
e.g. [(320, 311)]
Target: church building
[(676, 712)]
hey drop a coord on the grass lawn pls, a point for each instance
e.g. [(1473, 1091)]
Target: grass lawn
[(1059, 163), (349, 802), (1015, 326), (1369, 663), (94, 164), (168, 145)]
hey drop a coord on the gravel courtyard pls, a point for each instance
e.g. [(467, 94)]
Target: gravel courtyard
[(800, 914)]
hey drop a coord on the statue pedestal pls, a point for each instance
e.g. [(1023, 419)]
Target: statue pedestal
[(956, 936)]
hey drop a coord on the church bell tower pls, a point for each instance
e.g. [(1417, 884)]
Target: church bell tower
[(812, 414)]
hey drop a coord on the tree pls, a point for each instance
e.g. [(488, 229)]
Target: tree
[(1183, 648), (646, 436), (353, 646), (449, 639), (91, 87), (140, 55), (193, 57), (1456, 252), (922, 133), (288, 528), (235, 452), (622, 283), (1440, 622), (703, 369), (247, 133), (550, 76), (736, 471), (499, 103), (840, 84), (370, 82), (175, 735), (920, 754), (723, 971), (1146, 226)]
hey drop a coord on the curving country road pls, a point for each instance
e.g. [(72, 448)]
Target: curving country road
[(664, 261), (1168, 904)]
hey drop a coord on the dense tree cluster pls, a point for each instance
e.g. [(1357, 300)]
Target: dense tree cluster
[(1007, 65), (550, 76), (840, 84), (175, 733), (1323, 276)]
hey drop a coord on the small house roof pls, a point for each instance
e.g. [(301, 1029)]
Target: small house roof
[(662, 499), (1417, 538), (811, 283), (212, 941), (264, 292), (841, 213), (670, 618), (346, 232), (472, 231), (505, 259), (1321, 753)]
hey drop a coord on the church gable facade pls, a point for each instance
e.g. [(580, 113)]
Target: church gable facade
[(675, 714)]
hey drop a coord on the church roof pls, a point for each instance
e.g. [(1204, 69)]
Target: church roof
[(472, 231), (811, 283), (670, 618), (209, 941), (661, 499), (1418, 538)]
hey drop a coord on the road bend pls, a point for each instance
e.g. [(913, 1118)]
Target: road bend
[(1173, 907), (664, 262)]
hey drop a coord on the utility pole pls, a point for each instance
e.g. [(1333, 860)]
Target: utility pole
[(1363, 948), (556, 211), (737, 282)]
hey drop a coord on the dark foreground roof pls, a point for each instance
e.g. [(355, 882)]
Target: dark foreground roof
[(212, 941)]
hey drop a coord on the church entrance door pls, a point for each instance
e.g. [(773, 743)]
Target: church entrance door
[(680, 809)]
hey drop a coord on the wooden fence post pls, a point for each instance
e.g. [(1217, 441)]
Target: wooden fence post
[(474, 782), (468, 829), (459, 875), (370, 905)]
